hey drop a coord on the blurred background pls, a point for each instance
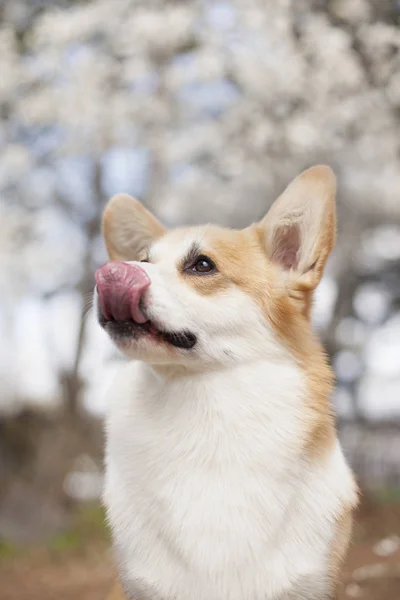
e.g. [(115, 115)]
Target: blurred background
[(204, 109)]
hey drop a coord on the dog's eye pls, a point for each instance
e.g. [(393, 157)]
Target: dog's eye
[(204, 265)]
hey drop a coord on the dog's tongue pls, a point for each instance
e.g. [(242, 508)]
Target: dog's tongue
[(120, 286)]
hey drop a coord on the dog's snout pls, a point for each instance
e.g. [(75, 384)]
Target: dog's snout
[(120, 287)]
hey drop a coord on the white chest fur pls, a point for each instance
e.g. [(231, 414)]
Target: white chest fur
[(207, 490)]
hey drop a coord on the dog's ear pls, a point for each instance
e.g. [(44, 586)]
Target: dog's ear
[(299, 229), (129, 228)]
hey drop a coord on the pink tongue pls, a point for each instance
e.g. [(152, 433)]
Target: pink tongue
[(120, 287)]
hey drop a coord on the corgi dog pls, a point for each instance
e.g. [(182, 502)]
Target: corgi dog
[(225, 479)]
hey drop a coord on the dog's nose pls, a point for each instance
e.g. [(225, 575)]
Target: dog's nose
[(120, 287)]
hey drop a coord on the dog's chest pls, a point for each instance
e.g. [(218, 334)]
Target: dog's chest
[(200, 486)]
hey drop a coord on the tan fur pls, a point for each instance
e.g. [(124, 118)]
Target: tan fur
[(239, 258), (128, 228), (293, 328)]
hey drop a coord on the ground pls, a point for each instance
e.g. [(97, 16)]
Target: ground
[(77, 565)]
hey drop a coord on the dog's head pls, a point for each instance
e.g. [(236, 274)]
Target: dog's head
[(208, 295)]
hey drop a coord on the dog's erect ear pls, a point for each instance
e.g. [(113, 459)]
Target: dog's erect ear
[(299, 229), (129, 228)]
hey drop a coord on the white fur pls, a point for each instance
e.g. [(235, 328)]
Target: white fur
[(209, 492)]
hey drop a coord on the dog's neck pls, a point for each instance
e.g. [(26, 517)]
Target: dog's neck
[(268, 356), (194, 372), (271, 387)]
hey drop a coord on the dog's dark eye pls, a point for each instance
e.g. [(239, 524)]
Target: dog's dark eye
[(204, 265)]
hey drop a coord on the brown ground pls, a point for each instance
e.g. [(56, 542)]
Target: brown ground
[(85, 573)]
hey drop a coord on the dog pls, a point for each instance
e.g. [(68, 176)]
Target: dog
[(225, 479)]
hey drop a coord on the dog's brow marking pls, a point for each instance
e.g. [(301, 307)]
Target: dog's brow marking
[(191, 255)]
